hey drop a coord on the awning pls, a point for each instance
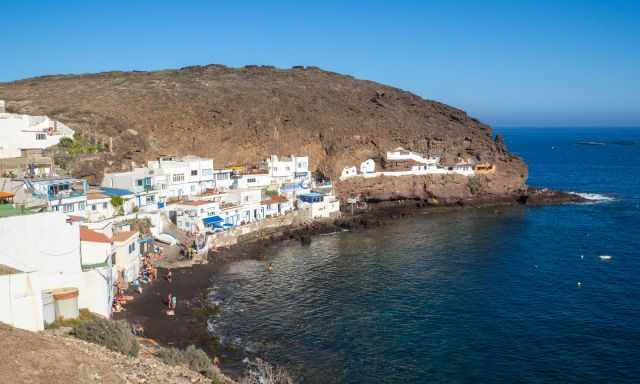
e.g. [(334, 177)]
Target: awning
[(211, 220)]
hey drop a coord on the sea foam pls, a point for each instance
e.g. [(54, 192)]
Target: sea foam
[(594, 197)]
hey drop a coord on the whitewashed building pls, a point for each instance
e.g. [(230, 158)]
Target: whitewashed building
[(222, 179), (186, 176), (348, 172), (128, 257), (251, 179), (401, 154), (319, 205), (59, 194), (368, 166), (289, 169), (22, 132), (50, 277), (196, 215), (98, 207)]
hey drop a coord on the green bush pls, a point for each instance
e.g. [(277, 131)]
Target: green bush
[(193, 358), (115, 335)]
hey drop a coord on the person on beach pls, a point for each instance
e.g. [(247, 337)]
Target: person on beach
[(270, 268), (169, 300), (174, 301), (169, 276)]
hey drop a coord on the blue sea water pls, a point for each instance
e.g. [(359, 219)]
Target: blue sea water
[(509, 295)]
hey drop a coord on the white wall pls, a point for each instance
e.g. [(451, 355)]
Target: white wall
[(95, 253), (368, 166), (253, 181), (20, 131), (47, 249), (21, 301), (103, 209), (40, 242), (128, 261)]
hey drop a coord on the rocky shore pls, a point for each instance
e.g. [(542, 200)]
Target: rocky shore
[(191, 284)]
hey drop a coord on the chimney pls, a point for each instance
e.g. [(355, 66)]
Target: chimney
[(2, 106)]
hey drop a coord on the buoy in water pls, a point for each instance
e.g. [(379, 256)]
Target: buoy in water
[(605, 257), (579, 284)]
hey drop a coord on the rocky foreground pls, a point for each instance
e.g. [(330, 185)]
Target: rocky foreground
[(27, 357)]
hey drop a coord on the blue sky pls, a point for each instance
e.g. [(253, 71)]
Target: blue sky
[(509, 63)]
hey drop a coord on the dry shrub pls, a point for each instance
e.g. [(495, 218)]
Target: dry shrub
[(261, 372), (193, 358), (115, 335)]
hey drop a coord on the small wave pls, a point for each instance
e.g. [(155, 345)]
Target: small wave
[(595, 197), (591, 143)]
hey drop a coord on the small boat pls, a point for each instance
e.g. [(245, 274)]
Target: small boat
[(605, 257)]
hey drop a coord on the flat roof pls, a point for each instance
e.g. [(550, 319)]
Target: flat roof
[(116, 191), (196, 203)]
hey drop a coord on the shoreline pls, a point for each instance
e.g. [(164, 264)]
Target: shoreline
[(190, 284)]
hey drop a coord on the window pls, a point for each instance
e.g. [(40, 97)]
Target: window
[(132, 247), (246, 198), (287, 168), (66, 208), (41, 136), (178, 177), (94, 207), (81, 206), (207, 172), (104, 205), (139, 182), (222, 176), (251, 180), (194, 172), (193, 188)]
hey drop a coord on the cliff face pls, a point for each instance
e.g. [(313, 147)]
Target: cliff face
[(242, 115)]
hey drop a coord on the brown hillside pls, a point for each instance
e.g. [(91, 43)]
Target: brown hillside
[(241, 115)]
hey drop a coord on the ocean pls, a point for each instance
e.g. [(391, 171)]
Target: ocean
[(499, 295)]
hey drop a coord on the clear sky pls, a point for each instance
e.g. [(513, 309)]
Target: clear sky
[(551, 63)]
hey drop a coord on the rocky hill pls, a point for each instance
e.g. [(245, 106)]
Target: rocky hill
[(28, 357), (241, 115)]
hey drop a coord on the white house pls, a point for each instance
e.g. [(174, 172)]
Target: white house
[(465, 168), (276, 206), (98, 206), (137, 180), (401, 154), (251, 179), (289, 169), (196, 215), (368, 166), (245, 206), (59, 194), (222, 179), (348, 172), (49, 279), (186, 176), (319, 205), (128, 258), (20, 132), (95, 247)]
